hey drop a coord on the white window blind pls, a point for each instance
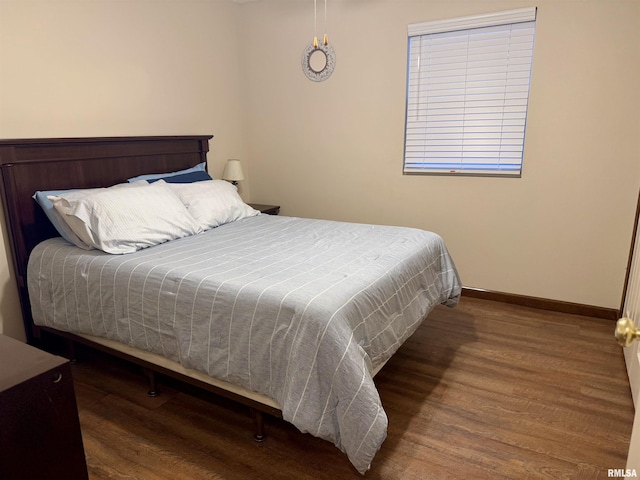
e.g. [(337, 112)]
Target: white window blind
[(467, 94)]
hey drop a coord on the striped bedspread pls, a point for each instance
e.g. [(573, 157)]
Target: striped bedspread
[(297, 309)]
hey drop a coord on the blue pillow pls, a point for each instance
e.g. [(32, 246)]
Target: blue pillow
[(201, 167), (184, 178)]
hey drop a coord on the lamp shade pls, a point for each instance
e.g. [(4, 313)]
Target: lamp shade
[(233, 171)]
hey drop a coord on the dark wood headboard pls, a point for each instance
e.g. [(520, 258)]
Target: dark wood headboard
[(29, 165)]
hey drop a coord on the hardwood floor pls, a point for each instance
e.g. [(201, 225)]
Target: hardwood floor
[(483, 391)]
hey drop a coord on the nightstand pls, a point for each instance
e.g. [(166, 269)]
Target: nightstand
[(40, 435), (268, 209)]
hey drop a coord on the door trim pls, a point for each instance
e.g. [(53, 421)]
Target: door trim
[(631, 250)]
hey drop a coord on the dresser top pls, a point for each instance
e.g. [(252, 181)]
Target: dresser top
[(20, 362)]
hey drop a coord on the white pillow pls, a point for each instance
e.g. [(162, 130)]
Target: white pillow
[(124, 220), (212, 202), (60, 222)]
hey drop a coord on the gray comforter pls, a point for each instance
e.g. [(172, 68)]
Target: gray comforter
[(297, 309)]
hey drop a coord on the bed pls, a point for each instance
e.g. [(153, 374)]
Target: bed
[(290, 316)]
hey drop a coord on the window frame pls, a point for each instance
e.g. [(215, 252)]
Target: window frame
[(473, 25)]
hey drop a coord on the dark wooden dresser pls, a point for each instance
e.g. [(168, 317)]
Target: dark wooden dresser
[(39, 427)]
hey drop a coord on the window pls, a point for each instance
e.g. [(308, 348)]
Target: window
[(467, 94)]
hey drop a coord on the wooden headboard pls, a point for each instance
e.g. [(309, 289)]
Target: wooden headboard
[(29, 165)]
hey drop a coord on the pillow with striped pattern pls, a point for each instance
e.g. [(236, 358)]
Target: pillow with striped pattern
[(125, 220)]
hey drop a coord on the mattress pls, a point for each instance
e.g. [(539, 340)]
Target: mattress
[(299, 310)]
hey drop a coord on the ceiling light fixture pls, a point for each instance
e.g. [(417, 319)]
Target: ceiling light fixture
[(318, 60)]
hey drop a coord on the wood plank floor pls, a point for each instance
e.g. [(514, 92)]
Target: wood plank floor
[(483, 391)]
